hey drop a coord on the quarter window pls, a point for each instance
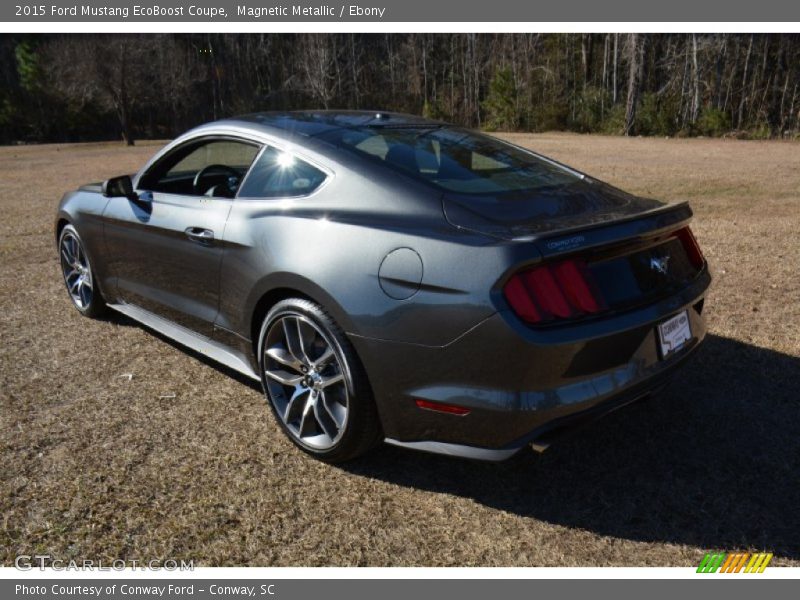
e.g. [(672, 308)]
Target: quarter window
[(277, 174)]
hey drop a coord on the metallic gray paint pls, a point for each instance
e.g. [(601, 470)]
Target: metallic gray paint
[(203, 345), (438, 330)]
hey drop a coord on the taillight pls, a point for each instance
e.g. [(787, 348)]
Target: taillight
[(693, 251), (562, 290), (574, 280)]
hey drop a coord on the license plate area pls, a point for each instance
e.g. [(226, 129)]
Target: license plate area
[(674, 333)]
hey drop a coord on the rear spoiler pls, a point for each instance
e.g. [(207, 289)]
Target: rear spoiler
[(623, 229)]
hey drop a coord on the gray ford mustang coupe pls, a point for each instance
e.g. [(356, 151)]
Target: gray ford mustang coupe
[(387, 277)]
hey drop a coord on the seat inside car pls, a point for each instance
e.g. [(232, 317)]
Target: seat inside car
[(404, 157)]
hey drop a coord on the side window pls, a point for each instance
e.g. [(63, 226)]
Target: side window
[(277, 174), (202, 168)]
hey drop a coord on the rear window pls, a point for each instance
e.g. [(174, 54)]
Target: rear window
[(453, 159)]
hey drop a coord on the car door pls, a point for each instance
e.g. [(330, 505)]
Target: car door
[(165, 246)]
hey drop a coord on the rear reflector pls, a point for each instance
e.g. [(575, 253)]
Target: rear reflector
[(691, 246), (450, 409), (559, 291)]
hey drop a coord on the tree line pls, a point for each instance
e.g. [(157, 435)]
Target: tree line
[(72, 87)]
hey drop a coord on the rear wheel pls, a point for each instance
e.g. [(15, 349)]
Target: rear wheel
[(78, 275), (315, 383)]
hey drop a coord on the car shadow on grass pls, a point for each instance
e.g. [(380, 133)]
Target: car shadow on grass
[(713, 461)]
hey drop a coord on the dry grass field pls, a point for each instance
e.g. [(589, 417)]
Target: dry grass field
[(182, 459)]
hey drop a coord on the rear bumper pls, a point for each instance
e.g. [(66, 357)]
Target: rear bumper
[(543, 436), (522, 385)]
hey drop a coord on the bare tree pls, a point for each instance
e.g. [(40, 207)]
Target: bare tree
[(695, 81), (118, 72), (318, 66), (635, 62), (743, 98), (616, 55)]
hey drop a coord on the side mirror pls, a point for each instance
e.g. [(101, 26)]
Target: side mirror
[(116, 187)]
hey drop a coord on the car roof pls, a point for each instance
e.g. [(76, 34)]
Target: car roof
[(318, 122)]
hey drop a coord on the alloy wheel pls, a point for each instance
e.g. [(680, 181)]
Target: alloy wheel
[(76, 270), (305, 381)]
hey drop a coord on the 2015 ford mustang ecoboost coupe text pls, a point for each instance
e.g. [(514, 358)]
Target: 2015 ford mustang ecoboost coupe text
[(387, 277)]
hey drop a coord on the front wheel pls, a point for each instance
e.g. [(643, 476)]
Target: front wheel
[(315, 383), (78, 274)]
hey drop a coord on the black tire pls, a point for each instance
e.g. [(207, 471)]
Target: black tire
[(361, 430), (91, 305)]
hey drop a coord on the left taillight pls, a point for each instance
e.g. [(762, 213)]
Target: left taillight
[(562, 290)]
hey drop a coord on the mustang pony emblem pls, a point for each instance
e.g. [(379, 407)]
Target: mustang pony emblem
[(659, 263)]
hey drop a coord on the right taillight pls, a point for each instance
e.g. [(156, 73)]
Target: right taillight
[(562, 290), (691, 247)]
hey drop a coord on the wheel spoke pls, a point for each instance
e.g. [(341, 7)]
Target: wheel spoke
[(75, 285), (66, 256), (291, 332), (331, 412), (77, 251), (324, 359), (332, 379), (284, 377), (280, 355), (308, 336), (83, 293), (298, 400), (322, 416), (306, 421)]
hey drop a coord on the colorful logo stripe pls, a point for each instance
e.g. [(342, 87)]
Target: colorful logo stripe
[(735, 562)]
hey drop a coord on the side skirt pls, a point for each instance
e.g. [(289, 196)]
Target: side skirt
[(199, 343)]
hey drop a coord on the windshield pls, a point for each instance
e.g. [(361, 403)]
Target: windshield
[(454, 159)]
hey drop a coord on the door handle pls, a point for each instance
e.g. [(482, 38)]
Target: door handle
[(200, 235)]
